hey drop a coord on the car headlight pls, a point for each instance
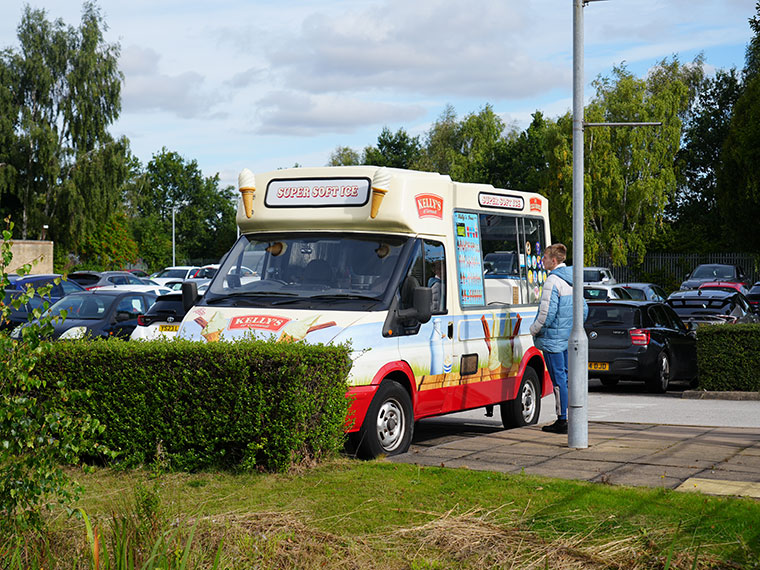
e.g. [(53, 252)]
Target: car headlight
[(73, 333), (16, 333)]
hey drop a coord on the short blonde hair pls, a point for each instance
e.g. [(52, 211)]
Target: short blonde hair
[(557, 252)]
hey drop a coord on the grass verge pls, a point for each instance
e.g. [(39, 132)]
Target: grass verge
[(351, 514)]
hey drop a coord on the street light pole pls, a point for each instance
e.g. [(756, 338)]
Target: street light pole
[(174, 248), (577, 434)]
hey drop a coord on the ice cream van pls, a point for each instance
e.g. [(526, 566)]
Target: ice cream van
[(434, 282)]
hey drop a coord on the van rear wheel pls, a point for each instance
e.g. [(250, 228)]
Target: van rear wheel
[(525, 409), (389, 423)]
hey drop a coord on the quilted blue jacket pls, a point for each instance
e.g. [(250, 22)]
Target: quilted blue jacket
[(554, 321)]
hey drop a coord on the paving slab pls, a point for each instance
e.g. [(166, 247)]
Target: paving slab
[(633, 454)]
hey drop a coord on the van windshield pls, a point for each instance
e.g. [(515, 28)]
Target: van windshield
[(336, 271)]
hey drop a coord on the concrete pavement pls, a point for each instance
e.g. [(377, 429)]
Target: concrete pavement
[(712, 460)]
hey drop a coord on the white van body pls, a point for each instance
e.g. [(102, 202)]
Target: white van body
[(392, 261)]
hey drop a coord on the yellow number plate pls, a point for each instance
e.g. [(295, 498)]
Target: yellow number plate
[(168, 328), (598, 366)]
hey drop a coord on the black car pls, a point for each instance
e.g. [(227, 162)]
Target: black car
[(19, 315), (712, 306), (639, 340), (97, 314), (754, 295), (714, 272)]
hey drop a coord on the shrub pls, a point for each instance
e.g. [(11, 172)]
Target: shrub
[(37, 435), (248, 404), (728, 357)]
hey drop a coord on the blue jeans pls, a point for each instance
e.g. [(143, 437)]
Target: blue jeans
[(556, 364)]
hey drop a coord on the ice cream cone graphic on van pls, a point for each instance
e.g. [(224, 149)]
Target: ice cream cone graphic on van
[(212, 329), (380, 184), (247, 185)]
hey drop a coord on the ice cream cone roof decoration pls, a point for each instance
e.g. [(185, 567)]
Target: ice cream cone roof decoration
[(381, 181), (247, 186)]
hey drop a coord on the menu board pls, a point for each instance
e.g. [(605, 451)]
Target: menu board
[(469, 262)]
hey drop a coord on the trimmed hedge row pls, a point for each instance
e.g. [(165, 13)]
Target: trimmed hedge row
[(728, 357), (249, 404)]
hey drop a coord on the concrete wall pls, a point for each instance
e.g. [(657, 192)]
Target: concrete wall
[(25, 251)]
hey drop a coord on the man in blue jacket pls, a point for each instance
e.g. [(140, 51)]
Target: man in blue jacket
[(551, 329)]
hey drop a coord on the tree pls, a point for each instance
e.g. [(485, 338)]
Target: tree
[(442, 143), (695, 208), (62, 91), (204, 214), (738, 194), (344, 156), (396, 150), (479, 136), (521, 161), (630, 172)]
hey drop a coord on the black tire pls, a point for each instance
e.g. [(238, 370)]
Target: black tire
[(389, 423), (608, 382), (659, 383), (525, 409)]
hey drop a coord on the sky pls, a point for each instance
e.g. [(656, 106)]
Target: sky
[(266, 84)]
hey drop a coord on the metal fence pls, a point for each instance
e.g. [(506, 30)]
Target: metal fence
[(670, 269)]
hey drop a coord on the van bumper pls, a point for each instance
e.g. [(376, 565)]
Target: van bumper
[(360, 397)]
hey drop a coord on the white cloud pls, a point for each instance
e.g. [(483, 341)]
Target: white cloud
[(301, 114)]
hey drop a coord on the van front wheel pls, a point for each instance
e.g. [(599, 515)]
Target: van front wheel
[(389, 423), (525, 409)]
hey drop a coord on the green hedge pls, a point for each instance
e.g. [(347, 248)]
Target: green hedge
[(728, 357), (249, 404)]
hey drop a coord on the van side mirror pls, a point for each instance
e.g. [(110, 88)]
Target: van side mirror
[(422, 305), (189, 295)]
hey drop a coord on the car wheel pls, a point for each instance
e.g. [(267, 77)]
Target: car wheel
[(389, 423), (525, 409), (609, 382), (659, 382)]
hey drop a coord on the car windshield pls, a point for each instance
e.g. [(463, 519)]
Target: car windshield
[(88, 307), (714, 272), (591, 275), (279, 269)]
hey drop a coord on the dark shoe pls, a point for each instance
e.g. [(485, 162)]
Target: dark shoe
[(560, 426)]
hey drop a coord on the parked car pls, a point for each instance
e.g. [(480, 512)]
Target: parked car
[(205, 272), (97, 313), (712, 306), (714, 272), (176, 273), (598, 276), (754, 296), (21, 314), (725, 286), (161, 320), (639, 340), (605, 292), (93, 279), (645, 291)]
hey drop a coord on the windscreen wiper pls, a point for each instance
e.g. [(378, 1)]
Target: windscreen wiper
[(347, 296), (248, 295)]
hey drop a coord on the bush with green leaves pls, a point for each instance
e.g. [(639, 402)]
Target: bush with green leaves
[(37, 434), (191, 405), (728, 357)]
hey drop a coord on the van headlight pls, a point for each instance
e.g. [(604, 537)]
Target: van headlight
[(73, 333)]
